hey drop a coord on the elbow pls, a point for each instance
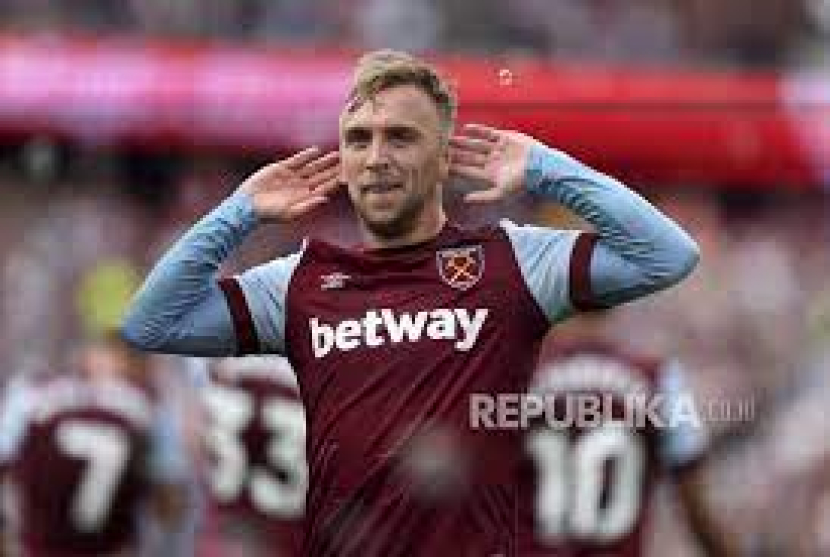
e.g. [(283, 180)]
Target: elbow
[(685, 255), (139, 336), (689, 257)]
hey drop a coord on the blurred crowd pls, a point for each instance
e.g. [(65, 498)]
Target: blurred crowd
[(740, 32), (751, 326)]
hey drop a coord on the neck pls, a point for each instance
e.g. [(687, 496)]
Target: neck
[(428, 227)]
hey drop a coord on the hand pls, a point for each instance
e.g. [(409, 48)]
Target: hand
[(497, 158), (289, 188)]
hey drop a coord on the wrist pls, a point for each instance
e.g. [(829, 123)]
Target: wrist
[(541, 171), (239, 209), (547, 168)]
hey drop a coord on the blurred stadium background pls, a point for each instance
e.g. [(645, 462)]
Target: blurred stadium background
[(122, 122)]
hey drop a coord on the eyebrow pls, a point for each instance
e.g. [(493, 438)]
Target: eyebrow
[(351, 129)]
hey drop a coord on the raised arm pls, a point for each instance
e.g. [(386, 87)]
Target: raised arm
[(181, 307), (636, 250)]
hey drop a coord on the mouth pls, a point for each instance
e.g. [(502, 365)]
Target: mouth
[(380, 187)]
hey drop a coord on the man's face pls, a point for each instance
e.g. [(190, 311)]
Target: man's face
[(393, 159)]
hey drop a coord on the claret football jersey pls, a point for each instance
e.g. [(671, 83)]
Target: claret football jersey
[(390, 348), (83, 456)]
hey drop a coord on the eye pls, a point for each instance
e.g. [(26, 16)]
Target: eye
[(402, 136), (357, 137)]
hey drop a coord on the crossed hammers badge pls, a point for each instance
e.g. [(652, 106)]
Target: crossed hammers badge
[(461, 267)]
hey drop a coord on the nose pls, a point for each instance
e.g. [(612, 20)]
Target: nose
[(378, 156)]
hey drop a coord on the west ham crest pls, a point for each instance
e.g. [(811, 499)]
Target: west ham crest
[(461, 268)]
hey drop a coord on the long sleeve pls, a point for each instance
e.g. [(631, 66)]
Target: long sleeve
[(181, 308), (14, 410), (637, 249)]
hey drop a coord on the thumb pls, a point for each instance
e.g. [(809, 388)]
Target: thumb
[(484, 196)]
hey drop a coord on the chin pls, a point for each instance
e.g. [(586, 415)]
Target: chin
[(392, 223), (386, 228)]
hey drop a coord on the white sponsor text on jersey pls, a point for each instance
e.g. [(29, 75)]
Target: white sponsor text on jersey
[(377, 327)]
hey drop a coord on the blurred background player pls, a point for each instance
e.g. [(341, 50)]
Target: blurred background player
[(89, 458), (254, 440), (588, 478)]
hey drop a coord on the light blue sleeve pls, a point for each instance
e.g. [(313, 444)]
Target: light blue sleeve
[(684, 437), (544, 257), (639, 250), (168, 458), (14, 414), (180, 308), (197, 372)]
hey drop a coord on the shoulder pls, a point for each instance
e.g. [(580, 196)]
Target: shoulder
[(283, 263), (112, 400), (530, 231), (273, 274), (601, 361), (533, 243), (269, 369)]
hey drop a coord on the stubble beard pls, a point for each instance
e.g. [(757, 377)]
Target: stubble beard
[(396, 225)]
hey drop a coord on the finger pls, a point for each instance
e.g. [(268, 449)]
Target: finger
[(270, 171), (484, 196), (467, 158), (322, 176), (304, 193), (327, 186), (470, 144), (320, 164), (471, 172), (298, 160), (481, 131), (302, 207)]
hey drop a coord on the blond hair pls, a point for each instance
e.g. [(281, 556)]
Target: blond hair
[(383, 69)]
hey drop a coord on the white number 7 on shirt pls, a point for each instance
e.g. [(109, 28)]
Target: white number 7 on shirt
[(105, 450)]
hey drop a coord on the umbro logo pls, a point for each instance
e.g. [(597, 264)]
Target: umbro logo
[(333, 281)]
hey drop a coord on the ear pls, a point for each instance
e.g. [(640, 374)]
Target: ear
[(444, 160), (341, 124)]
